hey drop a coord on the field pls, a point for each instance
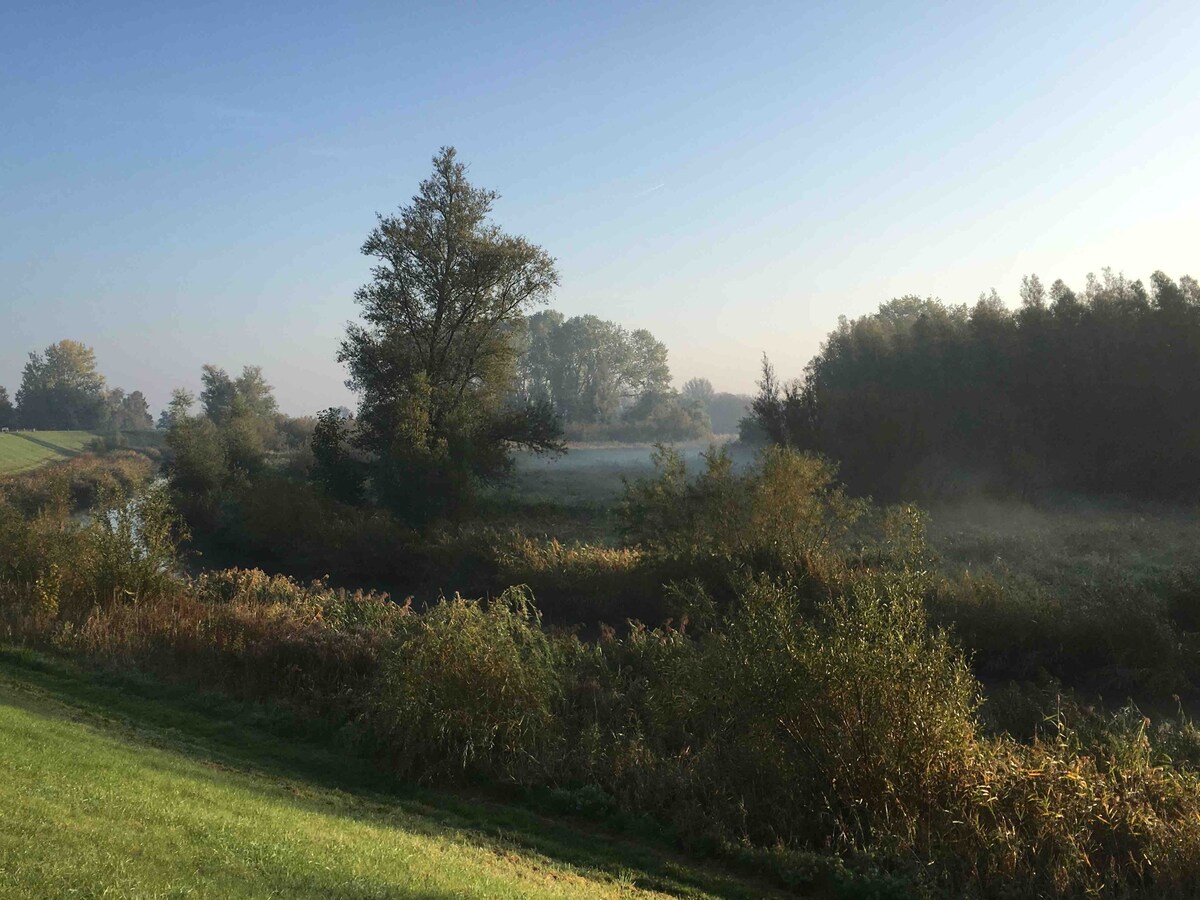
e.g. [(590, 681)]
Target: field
[(1067, 543), (23, 450), (1072, 544), (574, 496), (124, 787)]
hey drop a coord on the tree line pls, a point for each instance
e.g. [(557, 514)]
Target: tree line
[(455, 365), (62, 390), (1085, 391)]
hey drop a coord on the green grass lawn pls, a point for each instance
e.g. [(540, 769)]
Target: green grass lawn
[(123, 787), (21, 450)]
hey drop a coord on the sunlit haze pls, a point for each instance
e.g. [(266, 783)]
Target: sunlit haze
[(191, 185)]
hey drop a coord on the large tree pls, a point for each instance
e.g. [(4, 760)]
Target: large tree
[(435, 358), (60, 388)]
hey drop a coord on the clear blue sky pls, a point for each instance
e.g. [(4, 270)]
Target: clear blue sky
[(189, 183)]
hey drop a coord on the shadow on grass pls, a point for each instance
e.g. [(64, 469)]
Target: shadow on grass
[(63, 451), (262, 740)]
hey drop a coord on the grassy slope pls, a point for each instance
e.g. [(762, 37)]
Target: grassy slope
[(125, 787), (29, 449)]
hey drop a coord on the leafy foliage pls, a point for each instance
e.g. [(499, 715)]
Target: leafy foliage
[(60, 388), (435, 360), (1080, 391), (8, 413), (473, 687), (590, 370), (807, 711)]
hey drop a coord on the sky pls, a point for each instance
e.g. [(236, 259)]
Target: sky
[(190, 183)]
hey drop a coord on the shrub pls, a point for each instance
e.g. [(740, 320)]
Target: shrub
[(85, 478), (473, 687), (778, 514), (817, 721), (134, 545)]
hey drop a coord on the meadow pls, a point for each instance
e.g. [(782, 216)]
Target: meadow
[(123, 787), (24, 450)]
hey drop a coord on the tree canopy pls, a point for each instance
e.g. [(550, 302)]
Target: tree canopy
[(725, 410), (1088, 391), (127, 412), (225, 398), (435, 357), (60, 388), (589, 369)]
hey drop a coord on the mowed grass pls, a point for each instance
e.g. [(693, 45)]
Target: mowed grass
[(123, 788), (22, 450)]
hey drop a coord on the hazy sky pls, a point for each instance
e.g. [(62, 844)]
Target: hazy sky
[(189, 183)]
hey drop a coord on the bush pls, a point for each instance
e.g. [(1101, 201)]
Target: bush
[(779, 514), (84, 478), (473, 687), (134, 545)]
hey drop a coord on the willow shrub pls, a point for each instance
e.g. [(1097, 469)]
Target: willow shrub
[(779, 513), (474, 687)]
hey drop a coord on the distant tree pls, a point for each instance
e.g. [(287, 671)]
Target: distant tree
[(435, 359), (668, 417), (8, 414), (218, 395), (61, 388), (179, 409), (238, 406), (197, 468), (127, 412), (245, 451), (335, 466), (296, 431), (588, 369), (255, 393), (699, 390), (726, 411), (137, 411)]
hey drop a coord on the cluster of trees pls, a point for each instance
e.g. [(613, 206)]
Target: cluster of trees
[(590, 369), (725, 411), (229, 439), (602, 380), (61, 389), (1093, 391), (456, 366)]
